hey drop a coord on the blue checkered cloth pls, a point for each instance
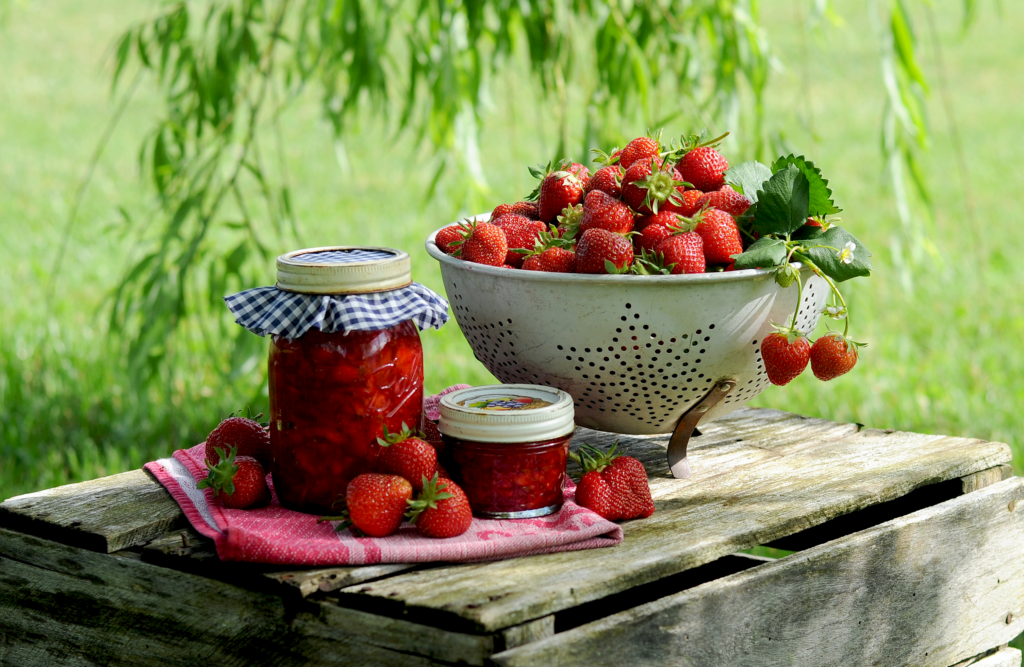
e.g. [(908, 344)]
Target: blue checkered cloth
[(343, 256), (268, 310)]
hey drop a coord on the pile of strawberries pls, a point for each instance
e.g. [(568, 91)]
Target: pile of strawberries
[(408, 482), (649, 209)]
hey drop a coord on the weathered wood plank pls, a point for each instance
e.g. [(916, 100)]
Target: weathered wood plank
[(106, 514), (535, 630), (62, 605), (758, 476), (928, 589), (980, 480), (326, 580)]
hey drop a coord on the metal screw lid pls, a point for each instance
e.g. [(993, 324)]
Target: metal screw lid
[(543, 413), (343, 270)]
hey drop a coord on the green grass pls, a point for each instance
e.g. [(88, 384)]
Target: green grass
[(943, 351)]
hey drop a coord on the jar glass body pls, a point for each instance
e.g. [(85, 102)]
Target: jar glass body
[(510, 480), (331, 396)]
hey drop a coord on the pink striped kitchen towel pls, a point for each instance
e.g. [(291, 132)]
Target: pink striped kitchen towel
[(274, 534)]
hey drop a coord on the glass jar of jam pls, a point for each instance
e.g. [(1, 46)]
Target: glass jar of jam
[(507, 446), (333, 394)]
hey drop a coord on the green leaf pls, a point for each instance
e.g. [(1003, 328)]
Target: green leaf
[(782, 202), (820, 201), (828, 257), (747, 178), (764, 252)]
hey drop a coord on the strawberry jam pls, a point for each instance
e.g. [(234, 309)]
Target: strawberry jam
[(507, 447), (510, 480), (331, 396)]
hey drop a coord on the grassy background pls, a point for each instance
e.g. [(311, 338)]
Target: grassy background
[(943, 337)]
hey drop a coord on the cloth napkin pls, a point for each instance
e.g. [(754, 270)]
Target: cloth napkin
[(274, 534)]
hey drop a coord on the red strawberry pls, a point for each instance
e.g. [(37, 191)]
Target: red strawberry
[(649, 187), (483, 243), (441, 472), (247, 435), (684, 249), (601, 251), (524, 208), (833, 355), (612, 485), (663, 218), (602, 211), (239, 482), (407, 455), (652, 235), (641, 148), (727, 200), (785, 354), (606, 179), (704, 168), (376, 503), (559, 189), (720, 234), (551, 260), (520, 232), (441, 509), (813, 222), (432, 435), (446, 237), (690, 202)]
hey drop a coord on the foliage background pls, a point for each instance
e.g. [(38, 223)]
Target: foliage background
[(942, 314)]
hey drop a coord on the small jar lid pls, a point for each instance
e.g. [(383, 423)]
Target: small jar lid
[(507, 413), (343, 270)]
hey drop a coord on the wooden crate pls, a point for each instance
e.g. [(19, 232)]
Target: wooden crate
[(909, 550)]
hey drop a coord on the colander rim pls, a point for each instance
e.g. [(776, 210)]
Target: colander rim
[(541, 276)]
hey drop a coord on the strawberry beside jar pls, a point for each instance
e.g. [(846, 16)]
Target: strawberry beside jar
[(345, 363)]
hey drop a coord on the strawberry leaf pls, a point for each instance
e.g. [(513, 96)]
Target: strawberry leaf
[(828, 254), (820, 197), (747, 178), (782, 202), (764, 252)]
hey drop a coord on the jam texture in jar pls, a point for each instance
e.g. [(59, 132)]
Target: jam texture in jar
[(500, 479), (331, 396), (507, 446)]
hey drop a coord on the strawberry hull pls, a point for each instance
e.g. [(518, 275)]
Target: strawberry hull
[(634, 352)]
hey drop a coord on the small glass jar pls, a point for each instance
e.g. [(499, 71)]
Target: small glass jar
[(508, 446), (333, 394)]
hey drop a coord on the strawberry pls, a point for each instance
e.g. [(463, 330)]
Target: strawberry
[(524, 208), (652, 235), (559, 189), (727, 200), (446, 237), (247, 435), (601, 251), (612, 485), (663, 218), (685, 250), (704, 168), (407, 455), (376, 503), (603, 211), (238, 482), (551, 260), (833, 355), (606, 179), (441, 509), (720, 234), (641, 148), (690, 202), (785, 354), (813, 222), (520, 232), (483, 243), (432, 435), (646, 187)]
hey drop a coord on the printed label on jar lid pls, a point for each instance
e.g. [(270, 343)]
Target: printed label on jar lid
[(506, 403)]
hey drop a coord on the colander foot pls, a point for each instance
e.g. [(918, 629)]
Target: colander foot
[(687, 424)]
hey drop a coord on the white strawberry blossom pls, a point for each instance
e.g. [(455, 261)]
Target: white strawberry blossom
[(836, 312), (846, 254)]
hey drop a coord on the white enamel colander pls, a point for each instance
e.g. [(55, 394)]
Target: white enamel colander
[(634, 352)]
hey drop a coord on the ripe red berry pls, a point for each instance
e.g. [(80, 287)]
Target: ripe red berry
[(246, 435), (526, 209), (612, 485), (520, 232), (641, 148), (727, 200), (441, 509), (551, 260), (601, 251), (785, 355), (606, 179), (704, 168), (239, 482), (560, 189), (407, 455), (448, 236), (652, 236), (376, 503), (721, 236), (832, 355), (685, 250), (484, 243), (602, 211)]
